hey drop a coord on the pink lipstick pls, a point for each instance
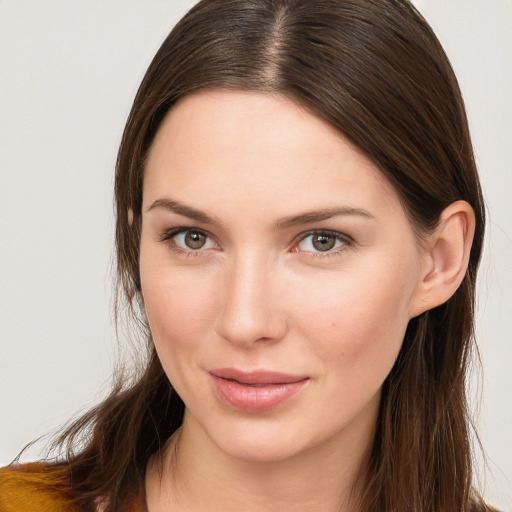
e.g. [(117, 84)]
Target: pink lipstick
[(255, 391)]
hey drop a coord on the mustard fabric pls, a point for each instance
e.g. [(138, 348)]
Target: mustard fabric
[(37, 487), (34, 488)]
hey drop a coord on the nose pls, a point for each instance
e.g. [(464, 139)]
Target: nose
[(251, 307)]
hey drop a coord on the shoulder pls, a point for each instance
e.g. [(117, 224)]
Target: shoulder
[(35, 487)]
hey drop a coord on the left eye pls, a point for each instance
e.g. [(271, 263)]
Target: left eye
[(193, 240), (321, 242)]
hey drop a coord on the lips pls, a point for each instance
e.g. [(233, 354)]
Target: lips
[(255, 391)]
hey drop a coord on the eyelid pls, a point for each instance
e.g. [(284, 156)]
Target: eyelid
[(346, 239), (331, 232), (169, 234)]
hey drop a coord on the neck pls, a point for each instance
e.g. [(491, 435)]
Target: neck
[(195, 476)]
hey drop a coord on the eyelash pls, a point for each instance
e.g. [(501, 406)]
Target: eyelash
[(169, 235), (346, 241)]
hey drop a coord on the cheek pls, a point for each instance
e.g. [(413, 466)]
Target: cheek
[(179, 307), (357, 319), (179, 304)]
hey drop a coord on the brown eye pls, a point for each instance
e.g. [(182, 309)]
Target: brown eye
[(195, 240), (323, 242), (189, 240)]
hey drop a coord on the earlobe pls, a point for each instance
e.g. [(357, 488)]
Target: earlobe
[(446, 257)]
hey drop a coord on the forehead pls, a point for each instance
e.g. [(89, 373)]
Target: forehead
[(252, 148)]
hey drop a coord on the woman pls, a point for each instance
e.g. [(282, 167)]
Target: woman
[(299, 225)]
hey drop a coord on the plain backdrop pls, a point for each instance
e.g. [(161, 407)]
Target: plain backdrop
[(68, 75)]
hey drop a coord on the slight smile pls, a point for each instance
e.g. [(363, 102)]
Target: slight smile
[(255, 391)]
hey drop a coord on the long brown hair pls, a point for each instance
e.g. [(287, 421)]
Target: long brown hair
[(375, 71)]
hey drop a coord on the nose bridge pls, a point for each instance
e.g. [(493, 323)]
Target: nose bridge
[(250, 307)]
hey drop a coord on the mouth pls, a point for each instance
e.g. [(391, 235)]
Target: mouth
[(255, 391), (256, 377)]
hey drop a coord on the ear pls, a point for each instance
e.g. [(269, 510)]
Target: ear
[(445, 258)]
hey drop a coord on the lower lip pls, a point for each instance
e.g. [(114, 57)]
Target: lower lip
[(248, 398)]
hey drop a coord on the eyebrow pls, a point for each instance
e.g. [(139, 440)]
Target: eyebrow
[(324, 214), (181, 209), (286, 222)]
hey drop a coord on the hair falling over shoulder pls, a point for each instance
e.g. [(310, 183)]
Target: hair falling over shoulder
[(376, 72)]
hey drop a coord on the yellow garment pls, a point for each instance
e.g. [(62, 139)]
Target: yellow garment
[(37, 487), (34, 488)]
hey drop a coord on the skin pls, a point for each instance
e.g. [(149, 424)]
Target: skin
[(259, 294)]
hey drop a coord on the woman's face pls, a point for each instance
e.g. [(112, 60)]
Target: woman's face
[(279, 272)]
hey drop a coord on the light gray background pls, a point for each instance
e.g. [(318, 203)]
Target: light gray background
[(68, 74)]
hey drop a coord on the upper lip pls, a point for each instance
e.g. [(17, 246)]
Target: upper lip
[(259, 376)]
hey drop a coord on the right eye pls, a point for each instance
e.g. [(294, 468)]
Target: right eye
[(190, 240)]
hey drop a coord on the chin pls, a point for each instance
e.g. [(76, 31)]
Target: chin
[(262, 447)]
